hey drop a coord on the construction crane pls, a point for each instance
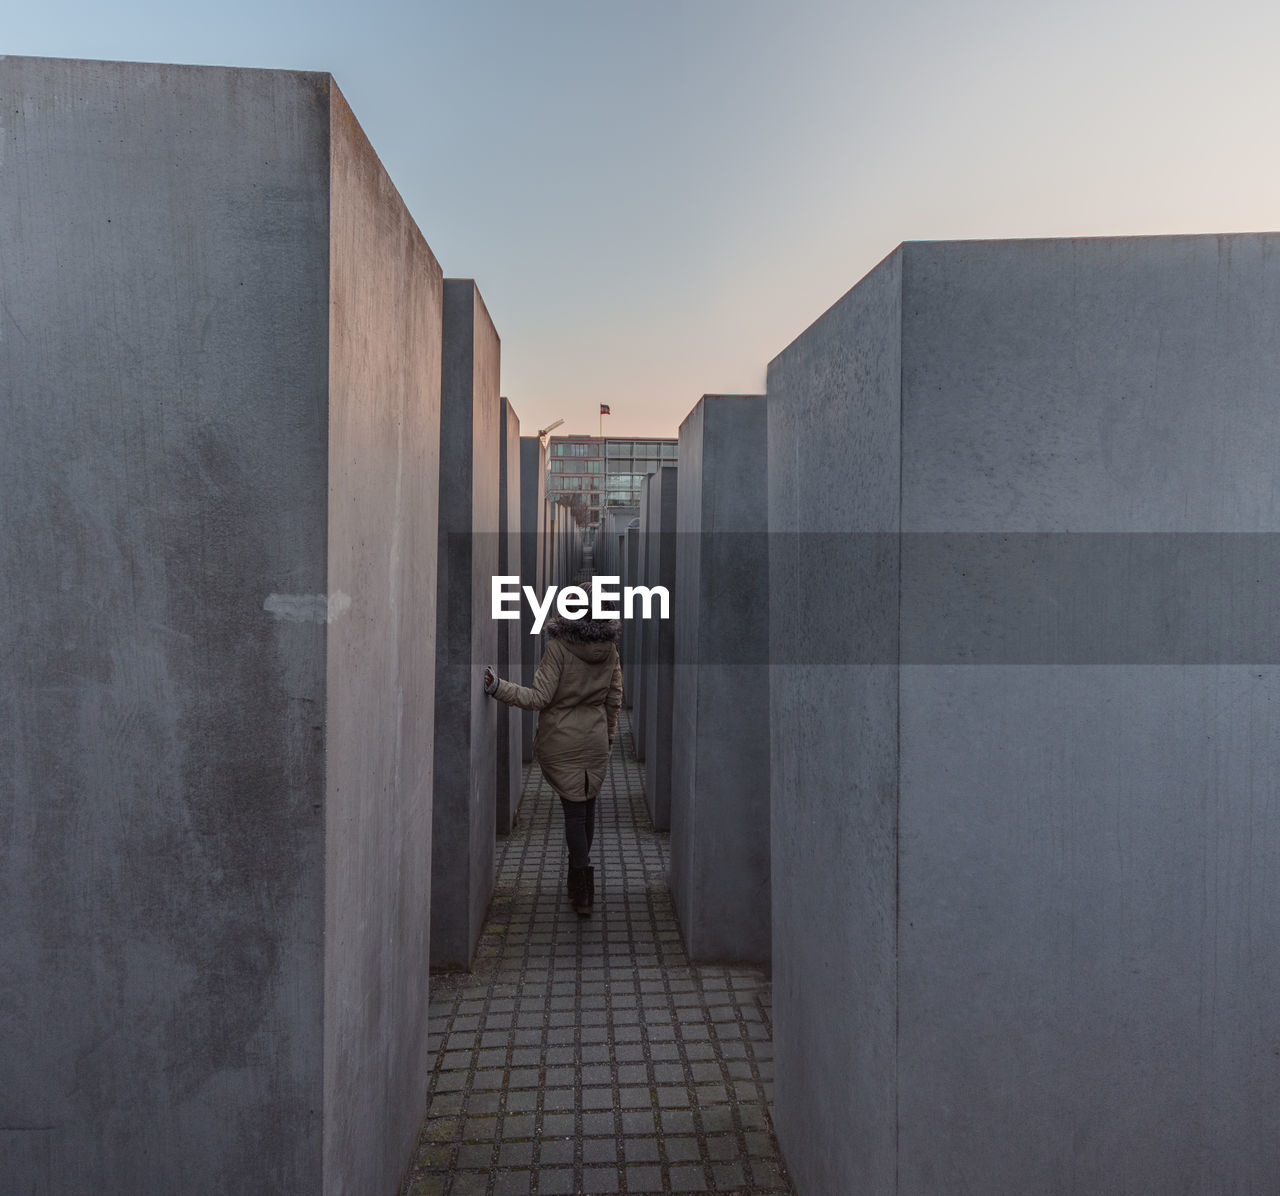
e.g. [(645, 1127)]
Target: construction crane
[(544, 432)]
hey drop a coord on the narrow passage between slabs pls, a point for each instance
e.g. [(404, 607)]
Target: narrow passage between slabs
[(588, 1055)]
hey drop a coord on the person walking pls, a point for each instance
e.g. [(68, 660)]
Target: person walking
[(577, 690)]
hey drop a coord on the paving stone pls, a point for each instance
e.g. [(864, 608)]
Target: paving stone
[(682, 1150), (475, 1157), (470, 1183), (518, 1127), (555, 1125), (640, 1150), (641, 1121), (674, 1098), (719, 1117), (560, 1151), (513, 1154), (480, 1129), (688, 1179), (558, 1099), (597, 1123), (599, 1150), (676, 1121), (598, 1098), (644, 1179), (446, 1103), (723, 1147), (556, 1180), (759, 1145), (522, 1100), (600, 1179), (710, 1094), (513, 1183)]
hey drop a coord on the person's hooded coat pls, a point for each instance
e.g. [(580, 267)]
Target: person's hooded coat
[(578, 691)]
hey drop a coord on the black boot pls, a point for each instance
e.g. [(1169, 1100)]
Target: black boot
[(576, 883), (586, 893)]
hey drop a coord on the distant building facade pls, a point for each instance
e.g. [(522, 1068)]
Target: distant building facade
[(605, 472)]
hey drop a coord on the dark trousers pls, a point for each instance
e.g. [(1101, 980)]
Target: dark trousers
[(579, 828)]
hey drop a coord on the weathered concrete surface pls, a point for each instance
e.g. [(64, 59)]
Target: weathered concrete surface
[(202, 679), (464, 823), (659, 647), (833, 450), (720, 695), (385, 302), (533, 538), (509, 752), (1084, 847), (1105, 386), (630, 629), (640, 627)]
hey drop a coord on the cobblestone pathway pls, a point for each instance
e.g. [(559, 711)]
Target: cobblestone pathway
[(589, 1055)]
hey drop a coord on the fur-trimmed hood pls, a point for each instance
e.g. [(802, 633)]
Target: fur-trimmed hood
[(583, 631), (587, 639)]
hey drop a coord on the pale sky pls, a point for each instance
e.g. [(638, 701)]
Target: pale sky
[(656, 197)]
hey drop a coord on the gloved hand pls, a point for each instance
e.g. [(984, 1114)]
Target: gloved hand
[(490, 681)]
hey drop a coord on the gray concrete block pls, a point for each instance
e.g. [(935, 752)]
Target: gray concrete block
[(720, 696), (509, 660), (833, 451), (659, 647), (533, 540), (463, 843), (630, 627), (1048, 815), (384, 349), (640, 627), (220, 349)]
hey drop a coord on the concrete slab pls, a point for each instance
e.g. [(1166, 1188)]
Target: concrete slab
[(640, 627), (463, 848), (659, 647), (533, 539), (630, 628), (509, 658), (720, 695), (221, 353), (1030, 812), (833, 450)]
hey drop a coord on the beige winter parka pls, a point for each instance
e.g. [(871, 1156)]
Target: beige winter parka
[(578, 691)]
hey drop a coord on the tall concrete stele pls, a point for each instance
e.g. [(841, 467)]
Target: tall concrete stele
[(463, 856), (220, 350), (658, 527), (720, 690), (1023, 503), (533, 539), (509, 719)]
